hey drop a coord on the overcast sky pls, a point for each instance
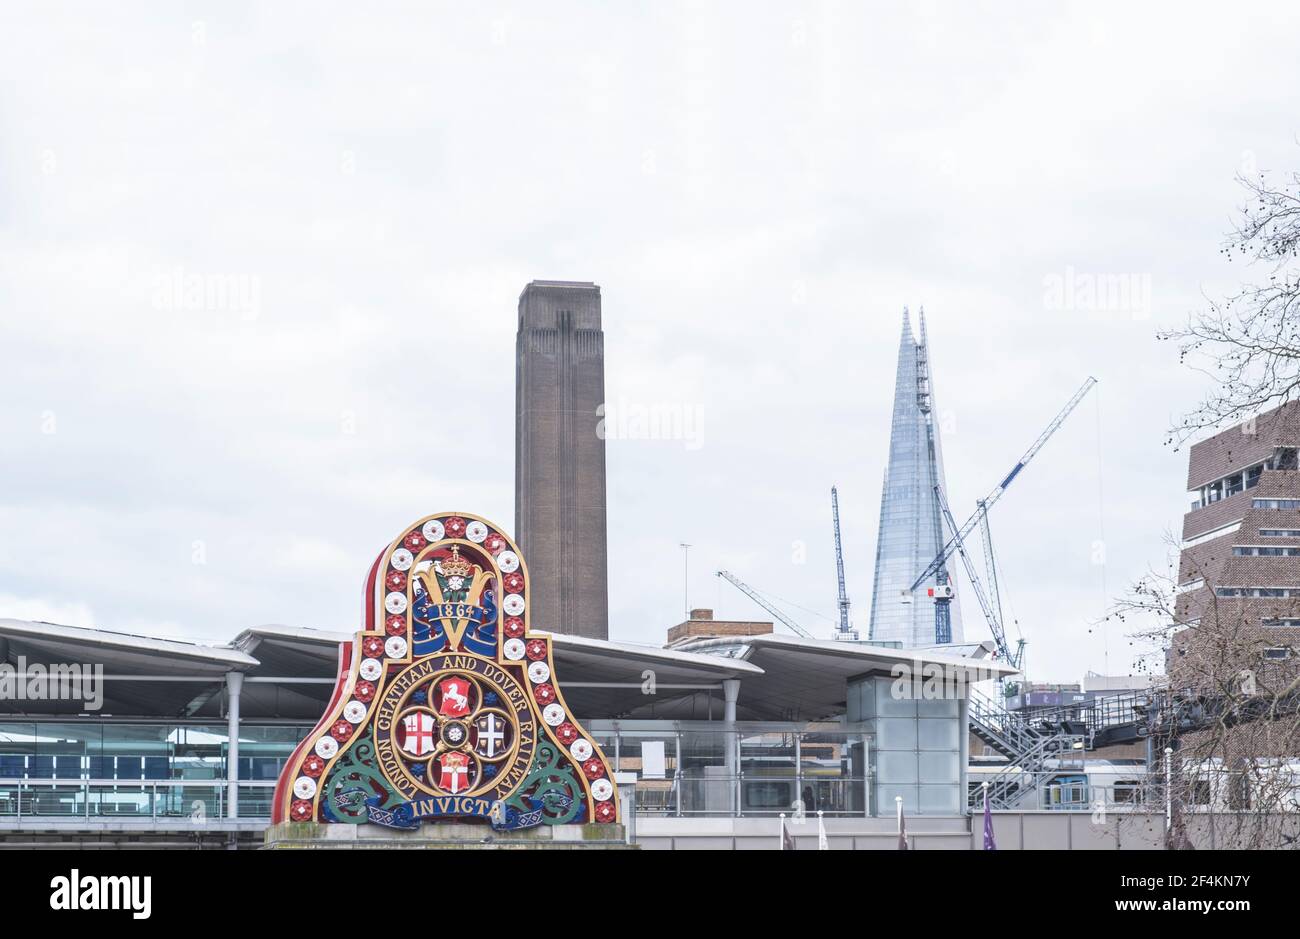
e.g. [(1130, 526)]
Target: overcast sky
[(758, 190)]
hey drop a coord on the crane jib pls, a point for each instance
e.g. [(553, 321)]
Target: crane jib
[(1012, 475)]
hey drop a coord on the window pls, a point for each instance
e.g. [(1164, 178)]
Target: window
[(1275, 655), (1265, 551), (1231, 485), (1065, 792), (1127, 791), (1200, 793), (1283, 623), (1284, 504), (1266, 592), (1279, 533)]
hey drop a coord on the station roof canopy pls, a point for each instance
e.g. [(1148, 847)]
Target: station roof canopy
[(289, 673), (804, 679), (143, 675)]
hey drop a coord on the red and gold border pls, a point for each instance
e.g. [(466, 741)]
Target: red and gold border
[(385, 646)]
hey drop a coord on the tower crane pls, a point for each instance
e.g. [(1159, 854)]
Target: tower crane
[(992, 608), (942, 590), (757, 598), (845, 631), (991, 603)]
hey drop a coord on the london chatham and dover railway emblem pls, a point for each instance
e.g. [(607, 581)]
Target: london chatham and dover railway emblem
[(446, 705)]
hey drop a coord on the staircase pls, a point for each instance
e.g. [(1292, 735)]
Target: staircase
[(1027, 744)]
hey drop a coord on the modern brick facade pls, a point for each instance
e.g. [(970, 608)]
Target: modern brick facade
[(1239, 570), (560, 456)]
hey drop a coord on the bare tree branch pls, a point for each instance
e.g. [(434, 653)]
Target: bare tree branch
[(1249, 342)]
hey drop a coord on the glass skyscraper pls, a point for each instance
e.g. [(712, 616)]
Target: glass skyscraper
[(911, 523)]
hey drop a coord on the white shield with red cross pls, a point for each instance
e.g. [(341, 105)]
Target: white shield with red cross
[(454, 775), (453, 697), (417, 737)]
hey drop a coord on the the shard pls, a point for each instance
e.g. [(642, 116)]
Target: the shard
[(911, 521)]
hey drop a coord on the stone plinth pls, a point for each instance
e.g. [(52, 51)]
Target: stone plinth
[(315, 835)]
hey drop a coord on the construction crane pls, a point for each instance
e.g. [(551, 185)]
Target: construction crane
[(995, 593), (942, 590), (991, 603), (845, 631), (757, 598), (983, 506), (957, 542)]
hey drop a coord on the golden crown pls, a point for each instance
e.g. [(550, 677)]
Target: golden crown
[(456, 566)]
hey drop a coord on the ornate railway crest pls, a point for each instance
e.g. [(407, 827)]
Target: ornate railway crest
[(445, 705)]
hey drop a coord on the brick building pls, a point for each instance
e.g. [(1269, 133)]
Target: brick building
[(1239, 570), (560, 455), (702, 625)]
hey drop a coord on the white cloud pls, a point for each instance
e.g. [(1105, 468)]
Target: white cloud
[(758, 191), (41, 610)]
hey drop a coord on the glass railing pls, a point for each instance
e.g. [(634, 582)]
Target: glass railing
[(724, 796), (713, 795), (106, 799)]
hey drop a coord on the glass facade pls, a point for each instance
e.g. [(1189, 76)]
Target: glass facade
[(695, 769), (918, 746), (106, 768), (911, 526)]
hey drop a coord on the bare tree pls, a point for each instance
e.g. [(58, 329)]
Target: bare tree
[(1249, 341), (1230, 709)]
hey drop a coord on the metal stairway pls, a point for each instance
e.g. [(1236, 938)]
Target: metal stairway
[(1027, 744), (1063, 735)]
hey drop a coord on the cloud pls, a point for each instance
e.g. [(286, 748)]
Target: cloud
[(758, 192), (41, 610)]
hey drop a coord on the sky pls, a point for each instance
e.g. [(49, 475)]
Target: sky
[(259, 269)]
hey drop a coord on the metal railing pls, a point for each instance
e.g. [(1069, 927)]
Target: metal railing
[(108, 799), (1008, 787), (1028, 742), (1000, 728), (747, 794)]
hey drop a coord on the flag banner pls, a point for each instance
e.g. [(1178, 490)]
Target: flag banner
[(504, 817), (508, 818), (990, 843), (410, 814)]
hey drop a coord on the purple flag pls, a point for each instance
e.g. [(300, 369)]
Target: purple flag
[(990, 844)]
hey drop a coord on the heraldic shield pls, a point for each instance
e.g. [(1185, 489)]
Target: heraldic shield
[(446, 705)]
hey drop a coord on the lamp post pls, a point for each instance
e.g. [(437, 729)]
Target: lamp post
[(1169, 788), (686, 580)]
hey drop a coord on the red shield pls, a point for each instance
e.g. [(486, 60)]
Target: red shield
[(453, 694), (455, 772)]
